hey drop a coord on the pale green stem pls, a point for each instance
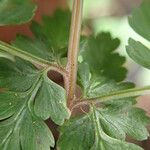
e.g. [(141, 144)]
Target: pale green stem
[(114, 95), (73, 50), (26, 56)]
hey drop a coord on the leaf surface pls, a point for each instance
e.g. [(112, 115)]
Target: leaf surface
[(94, 131), (17, 115), (139, 53), (51, 38), (17, 76), (104, 141), (139, 21), (14, 12), (118, 121), (52, 98), (110, 124), (77, 134), (94, 85), (99, 52)]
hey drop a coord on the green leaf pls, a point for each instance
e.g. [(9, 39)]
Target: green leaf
[(17, 116), (97, 88), (25, 131), (94, 85), (8, 104), (21, 76), (55, 29), (118, 118), (20, 128), (77, 134), (17, 76), (90, 132), (117, 121), (35, 134), (51, 38), (139, 20), (97, 50), (24, 127), (84, 76), (34, 46), (139, 53), (16, 12), (105, 142), (52, 98)]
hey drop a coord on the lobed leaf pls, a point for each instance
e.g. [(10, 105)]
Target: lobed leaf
[(104, 141), (51, 38), (17, 115), (94, 85), (93, 131), (30, 97), (52, 98), (99, 52), (25, 131), (55, 29), (119, 121), (114, 121)]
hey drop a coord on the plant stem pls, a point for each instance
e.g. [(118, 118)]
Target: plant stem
[(29, 57), (73, 50), (114, 95)]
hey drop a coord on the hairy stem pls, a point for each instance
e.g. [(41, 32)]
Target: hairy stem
[(73, 50), (114, 95)]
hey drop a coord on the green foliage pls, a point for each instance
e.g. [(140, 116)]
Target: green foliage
[(54, 102), (139, 53), (54, 30), (109, 124), (121, 119), (98, 52), (96, 85), (139, 21), (51, 38), (16, 11), (104, 141), (79, 132), (12, 73), (105, 128), (25, 130), (25, 85), (29, 97)]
